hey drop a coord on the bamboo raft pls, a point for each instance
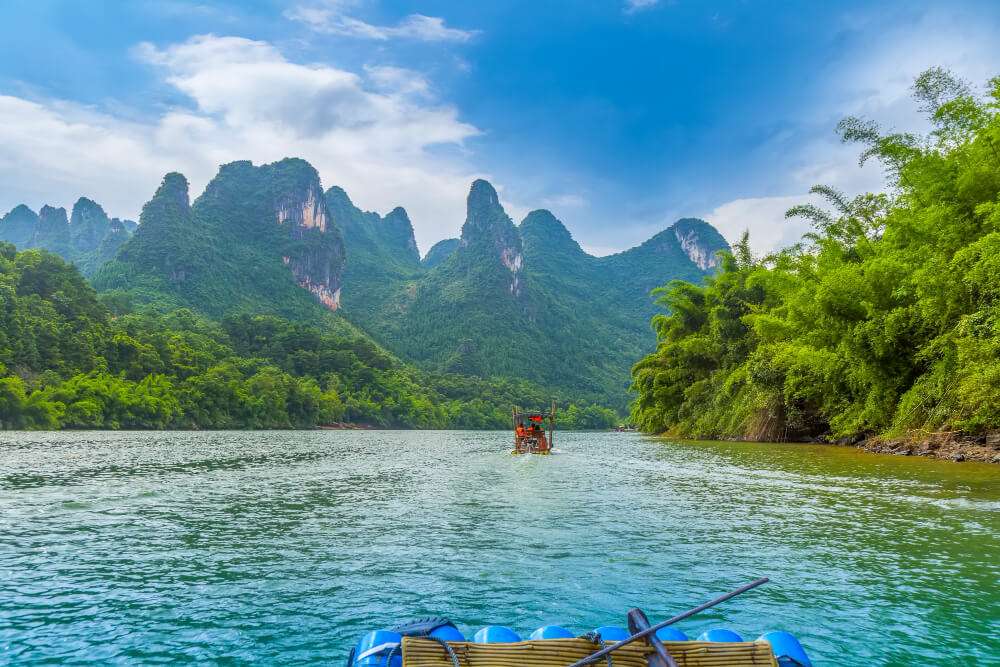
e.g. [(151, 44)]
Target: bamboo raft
[(437, 642), (530, 436), (420, 652)]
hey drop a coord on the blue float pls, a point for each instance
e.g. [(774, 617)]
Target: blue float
[(383, 648), (719, 635), (448, 633), (496, 634), (671, 634), (786, 649), (374, 648), (612, 633), (552, 632)]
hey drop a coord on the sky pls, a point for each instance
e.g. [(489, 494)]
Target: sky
[(619, 116)]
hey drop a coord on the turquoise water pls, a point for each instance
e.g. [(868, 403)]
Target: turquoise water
[(285, 547)]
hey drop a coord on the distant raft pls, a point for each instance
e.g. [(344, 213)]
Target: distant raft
[(530, 436), (437, 642)]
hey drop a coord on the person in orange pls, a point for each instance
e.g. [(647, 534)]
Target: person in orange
[(519, 431)]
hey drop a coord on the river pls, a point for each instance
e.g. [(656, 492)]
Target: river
[(283, 547)]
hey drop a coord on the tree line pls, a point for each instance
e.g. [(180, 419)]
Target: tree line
[(885, 318), (70, 358)]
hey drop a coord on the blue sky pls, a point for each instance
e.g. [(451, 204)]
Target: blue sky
[(618, 115)]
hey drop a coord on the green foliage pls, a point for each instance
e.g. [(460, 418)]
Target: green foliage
[(886, 320), (512, 301), (587, 418), (88, 241), (244, 246), (66, 362)]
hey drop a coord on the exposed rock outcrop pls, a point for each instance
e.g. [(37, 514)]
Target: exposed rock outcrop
[(700, 241), (489, 229)]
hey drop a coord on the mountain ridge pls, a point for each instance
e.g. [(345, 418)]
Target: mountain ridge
[(503, 300)]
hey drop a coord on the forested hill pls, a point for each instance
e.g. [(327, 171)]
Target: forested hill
[(67, 362), (884, 321), (503, 301), (88, 238), (514, 300), (258, 240)]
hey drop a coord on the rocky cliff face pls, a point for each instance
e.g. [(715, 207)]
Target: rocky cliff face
[(316, 256), (700, 241), (489, 230), (302, 210)]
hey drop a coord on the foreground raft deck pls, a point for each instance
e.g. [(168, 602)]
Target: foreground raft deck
[(421, 652)]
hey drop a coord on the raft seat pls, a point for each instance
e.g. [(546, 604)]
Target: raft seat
[(419, 652)]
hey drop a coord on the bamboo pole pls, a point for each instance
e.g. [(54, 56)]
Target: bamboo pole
[(670, 621)]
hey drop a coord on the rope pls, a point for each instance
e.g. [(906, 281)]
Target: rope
[(595, 638), (448, 650)]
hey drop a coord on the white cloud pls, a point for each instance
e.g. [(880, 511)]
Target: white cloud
[(873, 82), (378, 135), (764, 217), (398, 79), (632, 6), (567, 200), (331, 18)]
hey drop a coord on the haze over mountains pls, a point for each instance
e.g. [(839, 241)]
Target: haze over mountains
[(504, 300)]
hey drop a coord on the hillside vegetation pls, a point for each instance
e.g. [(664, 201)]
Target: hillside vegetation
[(88, 238), (884, 320), (67, 362), (510, 300)]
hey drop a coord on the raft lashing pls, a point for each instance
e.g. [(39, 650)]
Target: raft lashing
[(437, 642)]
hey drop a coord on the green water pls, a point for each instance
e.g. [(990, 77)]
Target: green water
[(285, 547)]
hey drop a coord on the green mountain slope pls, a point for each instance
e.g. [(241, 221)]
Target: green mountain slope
[(88, 239), (383, 254), (503, 301), (524, 301), (259, 240), (66, 362), (439, 252)]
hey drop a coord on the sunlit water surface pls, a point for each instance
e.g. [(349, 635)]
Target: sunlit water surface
[(285, 547)]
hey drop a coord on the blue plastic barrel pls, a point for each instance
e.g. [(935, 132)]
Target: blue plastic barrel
[(373, 649), (719, 635), (552, 632), (612, 633), (448, 633), (786, 649), (496, 634), (671, 634)]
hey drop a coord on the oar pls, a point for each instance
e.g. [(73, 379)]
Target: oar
[(594, 657)]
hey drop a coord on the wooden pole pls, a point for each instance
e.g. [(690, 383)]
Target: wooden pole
[(594, 657), (513, 422), (637, 622), (552, 426)]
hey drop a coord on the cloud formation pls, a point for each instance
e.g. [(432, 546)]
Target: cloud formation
[(632, 6), (331, 18), (378, 133), (874, 83)]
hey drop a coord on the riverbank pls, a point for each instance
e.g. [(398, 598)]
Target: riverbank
[(938, 445), (947, 446)]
